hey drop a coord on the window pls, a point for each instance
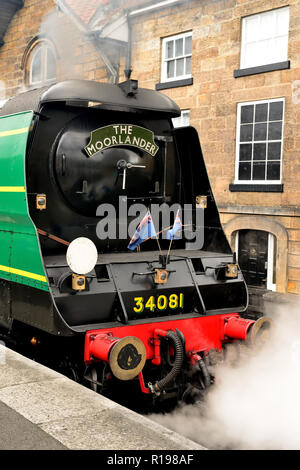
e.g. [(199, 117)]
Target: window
[(182, 120), (265, 38), (41, 64), (176, 57), (259, 141)]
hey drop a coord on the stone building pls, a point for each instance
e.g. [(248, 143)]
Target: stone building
[(233, 66)]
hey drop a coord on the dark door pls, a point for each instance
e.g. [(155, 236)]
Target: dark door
[(253, 256)]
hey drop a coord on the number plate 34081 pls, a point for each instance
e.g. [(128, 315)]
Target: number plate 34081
[(162, 302)]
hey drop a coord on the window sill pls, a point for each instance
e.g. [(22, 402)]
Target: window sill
[(262, 69), (256, 188), (174, 84)]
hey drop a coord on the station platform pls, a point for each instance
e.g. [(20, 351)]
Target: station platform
[(41, 409)]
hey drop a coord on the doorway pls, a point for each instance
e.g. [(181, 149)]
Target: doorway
[(256, 251)]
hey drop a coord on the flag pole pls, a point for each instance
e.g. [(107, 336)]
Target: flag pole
[(171, 237), (156, 236), (158, 245), (169, 248)]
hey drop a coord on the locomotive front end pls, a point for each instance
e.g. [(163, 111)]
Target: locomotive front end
[(104, 165)]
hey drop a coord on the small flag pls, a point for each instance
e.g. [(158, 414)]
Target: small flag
[(175, 232), (144, 231)]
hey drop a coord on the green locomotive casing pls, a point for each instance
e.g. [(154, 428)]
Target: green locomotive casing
[(20, 254)]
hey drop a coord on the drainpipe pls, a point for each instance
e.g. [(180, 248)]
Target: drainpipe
[(128, 65)]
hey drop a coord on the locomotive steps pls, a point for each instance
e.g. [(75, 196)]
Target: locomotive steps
[(41, 409)]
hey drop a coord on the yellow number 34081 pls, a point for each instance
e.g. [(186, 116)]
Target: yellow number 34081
[(161, 303)]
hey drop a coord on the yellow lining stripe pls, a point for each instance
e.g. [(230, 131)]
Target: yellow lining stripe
[(12, 189), (19, 272), (14, 132)]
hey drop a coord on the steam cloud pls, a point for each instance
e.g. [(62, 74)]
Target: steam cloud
[(69, 43), (254, 404), (76, 55)]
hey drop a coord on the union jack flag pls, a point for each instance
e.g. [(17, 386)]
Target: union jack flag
[(144, 231), (175, 232)]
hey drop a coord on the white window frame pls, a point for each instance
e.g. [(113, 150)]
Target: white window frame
[(259, 17), (238, 129), (165, 60), (179, 121), (270, 266), (43, 47)]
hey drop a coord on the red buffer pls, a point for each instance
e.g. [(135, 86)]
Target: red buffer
[(127, 348)]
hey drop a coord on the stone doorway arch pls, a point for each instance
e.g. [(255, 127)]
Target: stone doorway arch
[(258, 222)]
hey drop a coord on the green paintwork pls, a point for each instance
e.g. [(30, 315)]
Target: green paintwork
[(19, 245)]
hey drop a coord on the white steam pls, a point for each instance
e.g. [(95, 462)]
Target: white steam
[(256, 403), (69, 43)]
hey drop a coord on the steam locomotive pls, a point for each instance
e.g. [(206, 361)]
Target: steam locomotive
[(104, 314)]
